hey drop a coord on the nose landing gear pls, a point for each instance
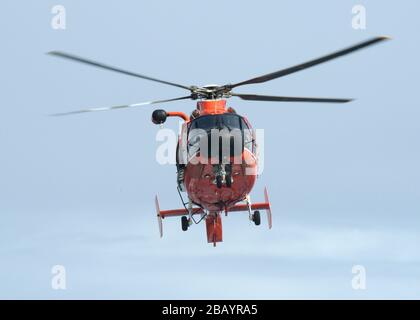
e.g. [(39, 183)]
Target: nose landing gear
[(223, 175), (219, 181)]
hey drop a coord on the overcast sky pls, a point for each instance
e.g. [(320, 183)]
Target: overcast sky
[(78, 191)]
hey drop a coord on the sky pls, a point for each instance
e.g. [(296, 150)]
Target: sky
[(78, 191)]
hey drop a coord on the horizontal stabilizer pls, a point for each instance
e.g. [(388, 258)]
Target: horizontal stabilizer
[(256, 206), (162, 214)]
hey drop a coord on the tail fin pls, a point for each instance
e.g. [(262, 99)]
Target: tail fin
[(268, 209), (159, 217)]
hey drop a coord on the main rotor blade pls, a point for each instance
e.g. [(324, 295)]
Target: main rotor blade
[(255, 97), (108, 67), (120, 107), (284, 72)]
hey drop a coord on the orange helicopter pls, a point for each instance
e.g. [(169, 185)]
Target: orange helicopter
[(219, 174)]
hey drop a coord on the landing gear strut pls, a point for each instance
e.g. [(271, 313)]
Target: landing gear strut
[(254, 217), (187, 221)]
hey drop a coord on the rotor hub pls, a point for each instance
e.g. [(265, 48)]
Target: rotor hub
[(210, 92)]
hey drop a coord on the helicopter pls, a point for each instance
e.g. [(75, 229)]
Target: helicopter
[(217, 151)]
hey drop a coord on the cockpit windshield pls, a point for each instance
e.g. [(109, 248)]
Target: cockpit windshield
[(204, 127), (219, 121)]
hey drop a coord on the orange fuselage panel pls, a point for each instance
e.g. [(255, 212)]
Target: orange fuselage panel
[(202, 190)]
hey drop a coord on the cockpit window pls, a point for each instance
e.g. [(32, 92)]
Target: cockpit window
[(204, 122), (203, 127), (231, 121)]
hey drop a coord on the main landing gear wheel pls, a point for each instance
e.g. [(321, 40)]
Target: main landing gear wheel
[(256, 217), (185, 223)]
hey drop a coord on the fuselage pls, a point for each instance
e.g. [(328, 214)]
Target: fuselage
[(217, 163), (201, 185), (216, 158)]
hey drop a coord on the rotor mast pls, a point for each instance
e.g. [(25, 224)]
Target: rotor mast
[(217, 106)]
